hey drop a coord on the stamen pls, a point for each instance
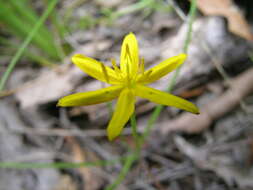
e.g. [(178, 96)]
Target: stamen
[(105, 72), (116, 68), (142, 66)]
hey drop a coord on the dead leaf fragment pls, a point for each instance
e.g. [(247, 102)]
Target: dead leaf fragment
[(66, 183), (221, 163), (49, 86), (92, 181), (236, 21)]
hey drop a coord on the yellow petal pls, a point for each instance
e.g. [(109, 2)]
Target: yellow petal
[(161, 69), (164, 98), (95, 69), (129, 57), (91, 97), (123, 111)]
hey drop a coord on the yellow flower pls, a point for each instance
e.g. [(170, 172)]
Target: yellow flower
[(126, 82)]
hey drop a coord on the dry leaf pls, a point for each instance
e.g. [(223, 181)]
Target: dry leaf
[(236, 21), (49, 86), (91, 180), (221, 163), (66, 183)]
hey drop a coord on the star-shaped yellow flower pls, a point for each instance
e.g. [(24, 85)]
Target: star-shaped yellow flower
[(126, 82)]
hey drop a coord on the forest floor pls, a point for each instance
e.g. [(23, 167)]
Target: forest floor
[(41, 144)]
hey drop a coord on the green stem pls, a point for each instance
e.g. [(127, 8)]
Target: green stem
[(127, 166), (110, 109), (26, 42), (151, 123), (135, 133), (158, 109), (131, 159)]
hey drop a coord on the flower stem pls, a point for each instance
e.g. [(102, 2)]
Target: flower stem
[(151, 123), (135, 133), (127, 166), (141, 139), (130, 159)]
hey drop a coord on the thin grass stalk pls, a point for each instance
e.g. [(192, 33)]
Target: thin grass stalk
[(131, 159), (19, 22), (26, 42), (61, 165), (11, 47), (124, 171), (134, 132), (28, 14)]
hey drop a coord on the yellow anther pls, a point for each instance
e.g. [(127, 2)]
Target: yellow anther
[(104, 72), (142, 66), (116, 68)]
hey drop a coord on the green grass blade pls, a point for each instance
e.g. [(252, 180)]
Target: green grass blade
[(10, 47), (26, 42), (28, 14), (58, 165), (61, 165), (21, 27)]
